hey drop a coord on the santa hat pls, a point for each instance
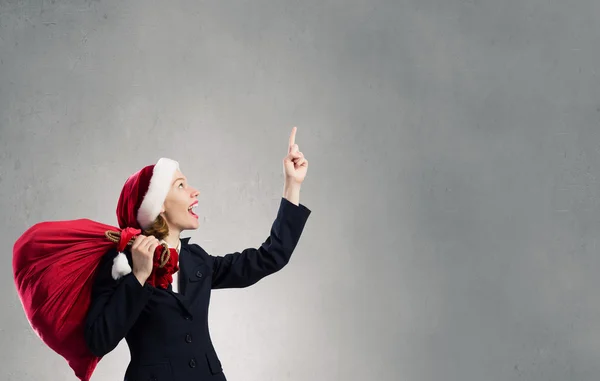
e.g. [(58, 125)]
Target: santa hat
[(140, 202)]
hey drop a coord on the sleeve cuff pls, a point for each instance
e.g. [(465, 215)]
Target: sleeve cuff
[(296, 210)]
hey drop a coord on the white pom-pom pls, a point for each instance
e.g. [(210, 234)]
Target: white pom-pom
[(120, 266)]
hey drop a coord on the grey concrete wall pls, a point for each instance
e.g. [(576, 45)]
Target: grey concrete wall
[(454, 161)]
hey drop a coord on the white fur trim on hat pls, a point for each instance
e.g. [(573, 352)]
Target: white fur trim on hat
[(160, 183), (120, 266)]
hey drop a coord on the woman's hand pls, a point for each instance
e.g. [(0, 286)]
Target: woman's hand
[(142, 254), (295, 164)]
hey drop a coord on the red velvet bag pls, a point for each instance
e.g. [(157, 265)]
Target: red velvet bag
[(54, 264)]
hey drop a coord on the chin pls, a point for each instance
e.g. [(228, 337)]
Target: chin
[(190, 225)]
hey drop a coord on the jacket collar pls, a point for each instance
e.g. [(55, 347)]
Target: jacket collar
[(179, 244)]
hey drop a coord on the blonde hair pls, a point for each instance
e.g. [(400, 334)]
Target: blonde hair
[(159, 228)]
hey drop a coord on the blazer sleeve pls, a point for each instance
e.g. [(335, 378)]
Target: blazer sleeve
[(115, 306), (242, 269)]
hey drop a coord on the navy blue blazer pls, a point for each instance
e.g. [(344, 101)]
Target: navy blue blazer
[(167, 332)]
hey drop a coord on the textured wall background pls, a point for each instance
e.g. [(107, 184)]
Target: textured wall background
[(454, 168)]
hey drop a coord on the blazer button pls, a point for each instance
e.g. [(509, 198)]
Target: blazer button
[(192, 363), (187, 317), (188, 338), (198, 274)]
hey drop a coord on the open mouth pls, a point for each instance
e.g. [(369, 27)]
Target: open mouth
[(192, 208)]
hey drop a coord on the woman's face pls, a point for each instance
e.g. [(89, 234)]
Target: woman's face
[(176, 208)]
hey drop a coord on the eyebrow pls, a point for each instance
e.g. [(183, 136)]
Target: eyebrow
[(179, 178)]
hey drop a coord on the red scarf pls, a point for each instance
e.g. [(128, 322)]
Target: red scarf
[(163, 276)]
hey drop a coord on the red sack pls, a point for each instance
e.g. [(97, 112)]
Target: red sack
[(54, 264)]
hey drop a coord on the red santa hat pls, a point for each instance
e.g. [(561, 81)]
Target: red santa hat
[(140, 202)]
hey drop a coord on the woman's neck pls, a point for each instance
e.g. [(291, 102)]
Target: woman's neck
[(173, 239)]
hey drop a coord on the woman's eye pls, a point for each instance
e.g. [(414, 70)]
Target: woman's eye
[(180, 184)]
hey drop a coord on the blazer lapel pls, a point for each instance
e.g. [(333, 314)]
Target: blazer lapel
[(181, 278), (194, 272), (184, 266)]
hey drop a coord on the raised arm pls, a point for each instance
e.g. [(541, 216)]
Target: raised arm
[(242, 269), (245, 268)]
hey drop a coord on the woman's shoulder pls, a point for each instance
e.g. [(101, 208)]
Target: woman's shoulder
[(199, 252), (193, 247)]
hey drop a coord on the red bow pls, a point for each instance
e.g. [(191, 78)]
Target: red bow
[(163, 276)]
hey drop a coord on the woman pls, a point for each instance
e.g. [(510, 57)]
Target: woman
[(166, 331)]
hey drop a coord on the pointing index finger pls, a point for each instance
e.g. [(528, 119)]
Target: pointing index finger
[(293, 137)]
